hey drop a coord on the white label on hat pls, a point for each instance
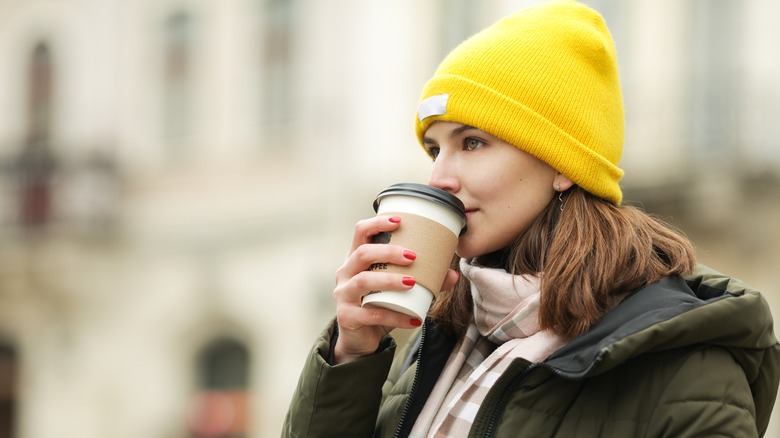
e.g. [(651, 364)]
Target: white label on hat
[(433, 106)]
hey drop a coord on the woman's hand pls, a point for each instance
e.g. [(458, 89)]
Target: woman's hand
[(362, 328)]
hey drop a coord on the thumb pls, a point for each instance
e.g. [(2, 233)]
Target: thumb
[(450, 279)]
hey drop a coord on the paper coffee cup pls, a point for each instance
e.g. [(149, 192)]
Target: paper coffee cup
[(431, 222)]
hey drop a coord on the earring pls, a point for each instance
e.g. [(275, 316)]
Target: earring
[(557, 187), (560, 198)]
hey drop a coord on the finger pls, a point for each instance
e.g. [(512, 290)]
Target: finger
[(368, 255), (366, 229), (355, 318), (360, 330), (353, 290), (450, 279)]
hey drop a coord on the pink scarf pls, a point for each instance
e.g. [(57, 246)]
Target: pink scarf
[(505, 327)]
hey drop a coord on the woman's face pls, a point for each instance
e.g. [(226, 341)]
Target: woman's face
[(503, 188)]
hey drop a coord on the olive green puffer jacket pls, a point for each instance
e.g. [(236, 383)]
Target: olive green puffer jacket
[(679, 358)]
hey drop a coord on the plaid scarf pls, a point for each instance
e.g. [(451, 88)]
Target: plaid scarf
[(505, 327)]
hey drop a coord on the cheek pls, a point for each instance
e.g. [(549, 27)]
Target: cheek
[(488, 234), (522, 211), (517, 225)]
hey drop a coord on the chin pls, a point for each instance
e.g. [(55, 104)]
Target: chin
[(468, 249), (468, 252)]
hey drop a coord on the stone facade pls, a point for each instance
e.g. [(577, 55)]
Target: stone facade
[(180, 179)]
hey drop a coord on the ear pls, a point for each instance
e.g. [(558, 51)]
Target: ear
[(561, 182)]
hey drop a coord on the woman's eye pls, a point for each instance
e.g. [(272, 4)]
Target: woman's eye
[(433, 151), (473, 143)]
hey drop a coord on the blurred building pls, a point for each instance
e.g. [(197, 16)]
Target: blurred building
[(180, 179)]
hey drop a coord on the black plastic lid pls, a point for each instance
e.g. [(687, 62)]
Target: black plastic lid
[(425, 192)]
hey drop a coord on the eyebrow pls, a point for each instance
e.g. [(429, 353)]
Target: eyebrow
[(455, 132)]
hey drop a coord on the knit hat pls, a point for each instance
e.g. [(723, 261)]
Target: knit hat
[(544, 79)]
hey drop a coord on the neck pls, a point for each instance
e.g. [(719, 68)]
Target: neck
[(496, 259)]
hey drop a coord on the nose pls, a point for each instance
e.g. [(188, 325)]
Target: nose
[(444, 174)]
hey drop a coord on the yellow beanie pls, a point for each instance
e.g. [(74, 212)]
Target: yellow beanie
[(544, 79)]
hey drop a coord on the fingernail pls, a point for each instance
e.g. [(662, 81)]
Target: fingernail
[(409, 254), (394, 219), (415, 322), (409, 281)]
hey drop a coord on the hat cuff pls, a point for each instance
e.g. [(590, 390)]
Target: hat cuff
[(475, 105)]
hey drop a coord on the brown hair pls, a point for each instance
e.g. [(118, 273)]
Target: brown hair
[(591, 255)]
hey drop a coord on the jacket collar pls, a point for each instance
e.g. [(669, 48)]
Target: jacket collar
[(705, 308), (588, 354)]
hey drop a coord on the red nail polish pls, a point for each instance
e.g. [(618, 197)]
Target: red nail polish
[(415, 322), (409, 281), (409, 254), (394, 219)]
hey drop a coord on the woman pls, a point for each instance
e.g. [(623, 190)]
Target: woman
[(566, 314)]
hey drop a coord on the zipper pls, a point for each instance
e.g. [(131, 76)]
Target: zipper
[(490, 430), (408, 403), (507, 392)]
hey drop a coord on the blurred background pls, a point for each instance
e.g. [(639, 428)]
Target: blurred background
[(179, 180)]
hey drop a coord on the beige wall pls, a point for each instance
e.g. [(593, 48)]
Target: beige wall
[(242, 233)]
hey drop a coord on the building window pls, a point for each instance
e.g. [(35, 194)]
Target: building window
[(8, 368), (177, 78), (34, 166), (39, 96), (277, 61), (221, 407), (715, 80), (459, 20)]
